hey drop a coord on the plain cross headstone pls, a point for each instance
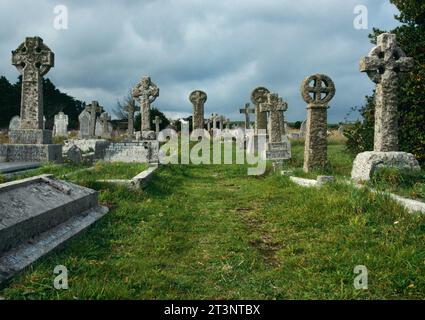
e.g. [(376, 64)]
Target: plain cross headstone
[(317, 90), (131, 109), (246, 111), (383, 65), (198, 99), (94, 108), (258, 96), (147, 92), (157, 122), (33, 59), (104, 122)]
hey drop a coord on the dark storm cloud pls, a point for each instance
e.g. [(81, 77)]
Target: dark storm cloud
[(223, 47)]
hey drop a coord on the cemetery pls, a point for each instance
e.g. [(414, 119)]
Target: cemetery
[(213, 206)]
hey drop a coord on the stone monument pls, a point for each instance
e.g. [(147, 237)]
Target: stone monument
[(131, 109), (60, 128), (258, 96), (198, 99), (246, 111)]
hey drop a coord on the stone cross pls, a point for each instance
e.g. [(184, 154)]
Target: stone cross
[(94, 108), (198, 99), (383, 65), (147, 91), (157, 122), (275, 106), (104, 121), (317, 90), (246, 111), (258, 96), (131, 109), (33, 59), (281, 116)]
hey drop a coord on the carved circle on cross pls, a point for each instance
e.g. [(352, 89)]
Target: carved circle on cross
[(259, 95), (198, 96), (318, 89)]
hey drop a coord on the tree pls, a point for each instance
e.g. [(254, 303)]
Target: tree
[(411, 38)]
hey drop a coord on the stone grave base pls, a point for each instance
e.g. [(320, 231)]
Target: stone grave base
[(366, 163), (98, 146), (141, 151), (279, 151), (31, 152), (38, 214), (252, 145), (30, 136)]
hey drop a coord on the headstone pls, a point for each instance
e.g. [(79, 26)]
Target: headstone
[(246, 111), (94, 108), (198, 99), (157, 123), (131, 109), (147, 92), (15, 123), (277, 149), (258, 96), (98, 129), (74, 155), (60, 128), (317, 90), (383, 65), (31, 142), (84, 120), (105, 125)]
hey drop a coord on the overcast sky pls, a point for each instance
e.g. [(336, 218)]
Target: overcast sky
[(224, 47)]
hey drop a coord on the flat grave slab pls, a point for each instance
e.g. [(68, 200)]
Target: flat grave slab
[(9, 167)]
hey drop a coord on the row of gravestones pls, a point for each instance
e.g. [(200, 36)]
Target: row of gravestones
[(60, 128), (92, 125)]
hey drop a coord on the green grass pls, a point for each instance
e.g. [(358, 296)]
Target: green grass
[(105, 170), (212, 232), (409, 184)]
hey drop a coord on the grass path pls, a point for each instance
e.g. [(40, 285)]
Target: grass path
[(212, 232)]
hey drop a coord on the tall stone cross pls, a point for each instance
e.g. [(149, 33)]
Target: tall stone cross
[(104, 121), (33, 59), (317, 90), (131, 109), (198, 99), (246, 111), (259, 96), (282, 117), (275, 106), (94, 108), (147, 91), (157, 122), (383, 65)]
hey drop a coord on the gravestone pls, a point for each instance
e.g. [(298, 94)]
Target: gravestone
[(15, 123), (31, 142), (105, 125), (74, 155), (84, 121), (277, 149), (246, 111), (147, 92), (157, 123), (93, 109), (384, 64), (198, 99), (60, 128), (258, 96), (37, 215), (317, 90), (131, 109)]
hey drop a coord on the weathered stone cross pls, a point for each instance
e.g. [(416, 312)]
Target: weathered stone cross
[(131, 109), (258, 96), (383, 65), (198, 99), (157, 122), (94, 108), (33, 59), (246, 111), (104, 120), (274, 105), (147, 91)]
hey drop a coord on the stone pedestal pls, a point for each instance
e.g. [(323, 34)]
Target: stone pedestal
[(31, 152), (30, 136), (140, 152), (278, 151)]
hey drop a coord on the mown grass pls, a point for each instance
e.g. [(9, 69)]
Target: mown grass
[(213, 232), (106, 170)]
